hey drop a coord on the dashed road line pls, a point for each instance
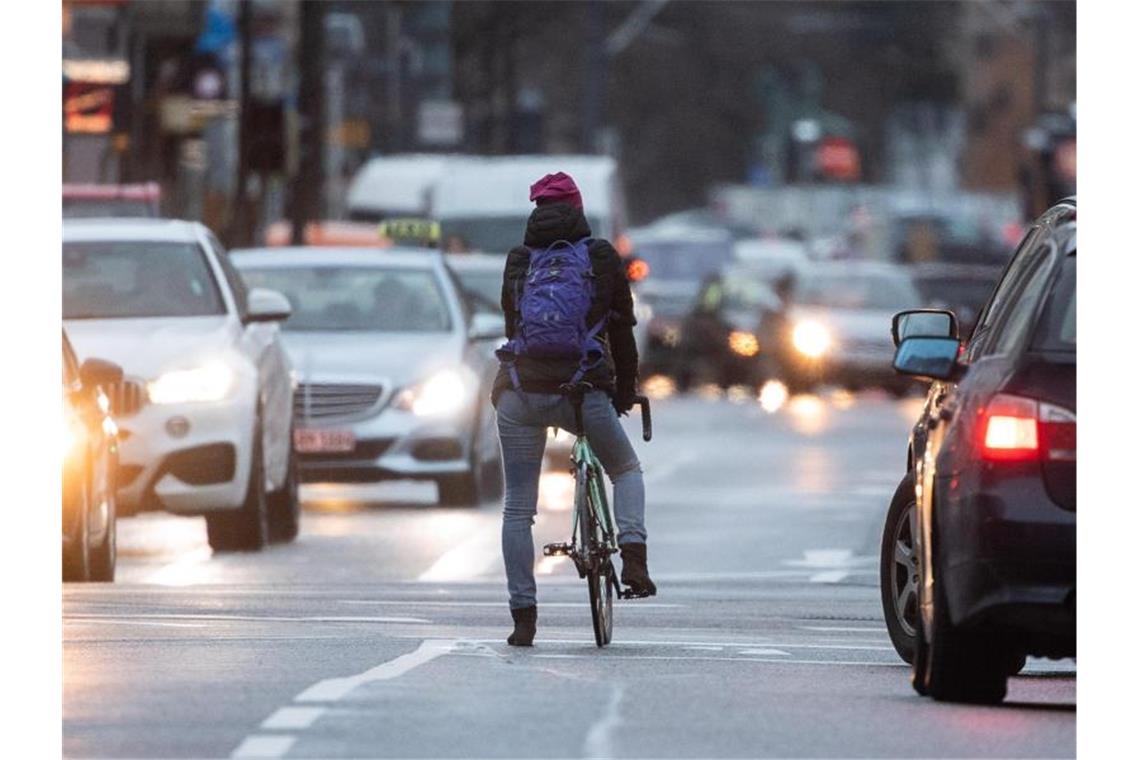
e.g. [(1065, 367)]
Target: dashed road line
[(292, 718), (264, 746), (333, 689)]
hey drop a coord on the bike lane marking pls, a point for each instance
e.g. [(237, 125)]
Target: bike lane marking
[(332, 690)]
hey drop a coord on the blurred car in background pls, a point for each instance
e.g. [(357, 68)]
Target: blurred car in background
[(835, 330), (773, 258), (480, 276), (111, 201), (699, 220), (660, 307), (960, 288), (394, 378), (681, 259), (720, 334), (482, 203), (90, 465), (978, 558), (162, 299)]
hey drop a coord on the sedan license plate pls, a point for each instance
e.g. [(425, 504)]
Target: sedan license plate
[(321, 441)]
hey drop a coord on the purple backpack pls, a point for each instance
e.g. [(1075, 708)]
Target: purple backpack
[(553, 307)]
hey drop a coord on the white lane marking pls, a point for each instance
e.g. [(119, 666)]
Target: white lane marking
[(829, 576), (146, 618), (860, 663), (724, 644), (842, 628), (599, 739), (704, 648), (568, 605), (264, 746), (292, 717), (468, 560), (184, 571), (84, 619), (333, 689), (765, 652)]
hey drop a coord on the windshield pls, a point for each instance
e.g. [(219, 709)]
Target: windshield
[(117, 279), (676, 260), (858, 290), (1058, 330), (357, 298), (746, 294), (496, 234), (483, 288)]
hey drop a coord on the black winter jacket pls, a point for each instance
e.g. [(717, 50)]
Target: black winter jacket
[(617, 375)]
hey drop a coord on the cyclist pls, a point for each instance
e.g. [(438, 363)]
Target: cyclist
[(527, 394)]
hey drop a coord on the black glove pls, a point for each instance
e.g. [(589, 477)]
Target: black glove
[(623, 399)]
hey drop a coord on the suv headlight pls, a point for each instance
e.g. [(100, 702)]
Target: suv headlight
[(446, 392), (210, 382)]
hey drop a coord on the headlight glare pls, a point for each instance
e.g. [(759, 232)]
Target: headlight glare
[(811, 339), (207, 383), (743, 343), (441, 394)]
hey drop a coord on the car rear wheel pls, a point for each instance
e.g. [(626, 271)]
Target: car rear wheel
[(245, 529), (284, 505), (954, 665), (898, 570)]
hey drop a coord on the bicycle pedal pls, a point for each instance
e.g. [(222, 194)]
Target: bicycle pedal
[(556, 550)]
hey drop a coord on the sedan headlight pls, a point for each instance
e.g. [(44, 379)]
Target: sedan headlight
[(811, 339), (446, 392), (207, 383)]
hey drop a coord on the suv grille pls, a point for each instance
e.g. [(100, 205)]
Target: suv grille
[(313, 401)]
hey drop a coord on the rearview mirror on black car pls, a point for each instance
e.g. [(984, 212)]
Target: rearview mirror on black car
[(924, 323), (931, 357)]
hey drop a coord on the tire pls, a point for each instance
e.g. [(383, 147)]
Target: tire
[(284, 505), (77, 560), (600, 571), (952, 665), (103, 557), (898, 571), (247, 528)]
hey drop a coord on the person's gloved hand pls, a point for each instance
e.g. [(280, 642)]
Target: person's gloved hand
[(623, 399)]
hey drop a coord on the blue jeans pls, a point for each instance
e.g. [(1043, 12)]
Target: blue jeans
[(522, 433)]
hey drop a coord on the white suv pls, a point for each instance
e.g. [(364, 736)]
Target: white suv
[(212, 435)]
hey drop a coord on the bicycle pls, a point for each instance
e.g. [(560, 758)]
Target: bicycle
[(593, 539)]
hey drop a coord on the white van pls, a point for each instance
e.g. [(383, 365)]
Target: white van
[(485, 202), (397, 186)]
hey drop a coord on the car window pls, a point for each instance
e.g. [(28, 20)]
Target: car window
[(357, 298), (233, 277), (482, 286), (113, 279), (1013, 329), (1057, 330), (1002, 295)]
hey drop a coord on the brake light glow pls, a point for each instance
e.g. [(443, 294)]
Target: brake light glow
[(1016, 429)]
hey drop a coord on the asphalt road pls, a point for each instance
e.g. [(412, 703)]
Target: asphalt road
[(381, 631)]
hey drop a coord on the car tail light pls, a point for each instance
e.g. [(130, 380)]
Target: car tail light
[(1017, 429)]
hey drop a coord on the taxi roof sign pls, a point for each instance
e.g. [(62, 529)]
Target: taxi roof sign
[(423, 232)]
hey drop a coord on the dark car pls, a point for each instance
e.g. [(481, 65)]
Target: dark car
[(978, 563), (90, 467)]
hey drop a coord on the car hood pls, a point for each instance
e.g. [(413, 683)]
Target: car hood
[(391, 359), (870, 325), (146, 348)]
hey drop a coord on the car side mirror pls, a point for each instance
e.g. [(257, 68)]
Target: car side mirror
[(924, 323), (98, 373), (929, 357), (267, 305), (486, 326)]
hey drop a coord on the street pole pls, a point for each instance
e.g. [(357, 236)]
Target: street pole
[(242, 218), (308, 183)]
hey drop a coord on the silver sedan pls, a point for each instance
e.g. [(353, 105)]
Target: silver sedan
[(393, 375)]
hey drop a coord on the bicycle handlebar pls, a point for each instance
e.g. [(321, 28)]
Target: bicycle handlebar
[(646, 417)]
